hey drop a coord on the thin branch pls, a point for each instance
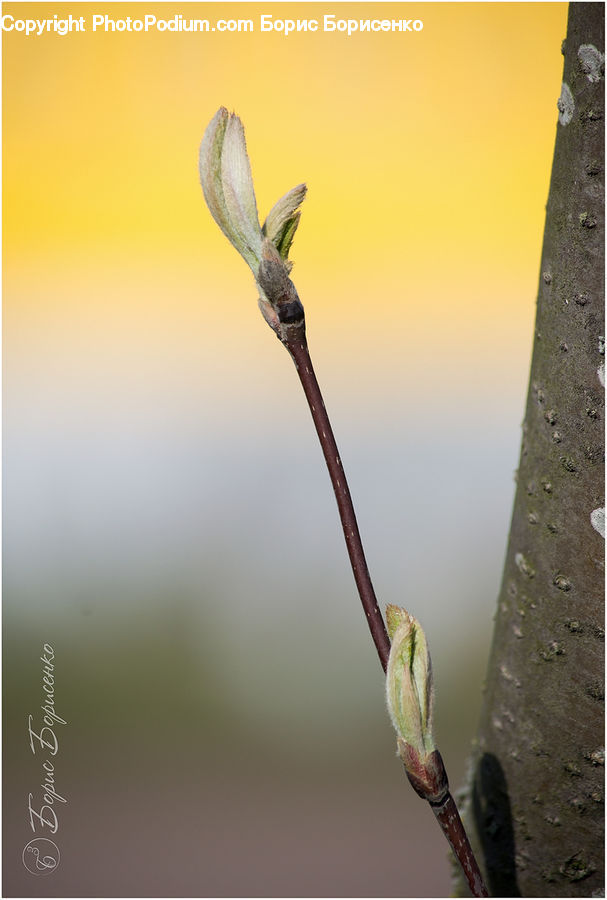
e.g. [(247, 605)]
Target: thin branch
[(298, 348), (294, 339), (453, 828)]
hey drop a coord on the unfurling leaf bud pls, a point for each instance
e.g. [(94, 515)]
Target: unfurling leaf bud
[(409, 681), (227, 184), (410, 696)]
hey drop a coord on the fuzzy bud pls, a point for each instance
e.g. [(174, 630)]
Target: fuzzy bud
[(410, 697), (227, 184)]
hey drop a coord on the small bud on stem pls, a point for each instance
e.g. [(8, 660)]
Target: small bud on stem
[(227, 184), (410, 696)]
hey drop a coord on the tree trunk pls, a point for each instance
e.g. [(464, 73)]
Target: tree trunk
[(535, 802)]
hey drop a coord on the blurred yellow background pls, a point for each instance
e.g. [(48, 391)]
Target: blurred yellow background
[(168, 523)]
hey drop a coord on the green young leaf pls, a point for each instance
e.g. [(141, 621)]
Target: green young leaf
[(282, 221), (209, 164), (227, 184), (238, 191)]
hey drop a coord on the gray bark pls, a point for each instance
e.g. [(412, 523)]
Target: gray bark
[(535, 800)]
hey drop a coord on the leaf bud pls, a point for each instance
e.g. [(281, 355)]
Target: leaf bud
[(410, 697), (227, 184)]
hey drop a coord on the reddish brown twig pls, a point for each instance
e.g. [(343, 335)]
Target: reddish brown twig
[(293, 337), (298, 349), (453, 828)]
